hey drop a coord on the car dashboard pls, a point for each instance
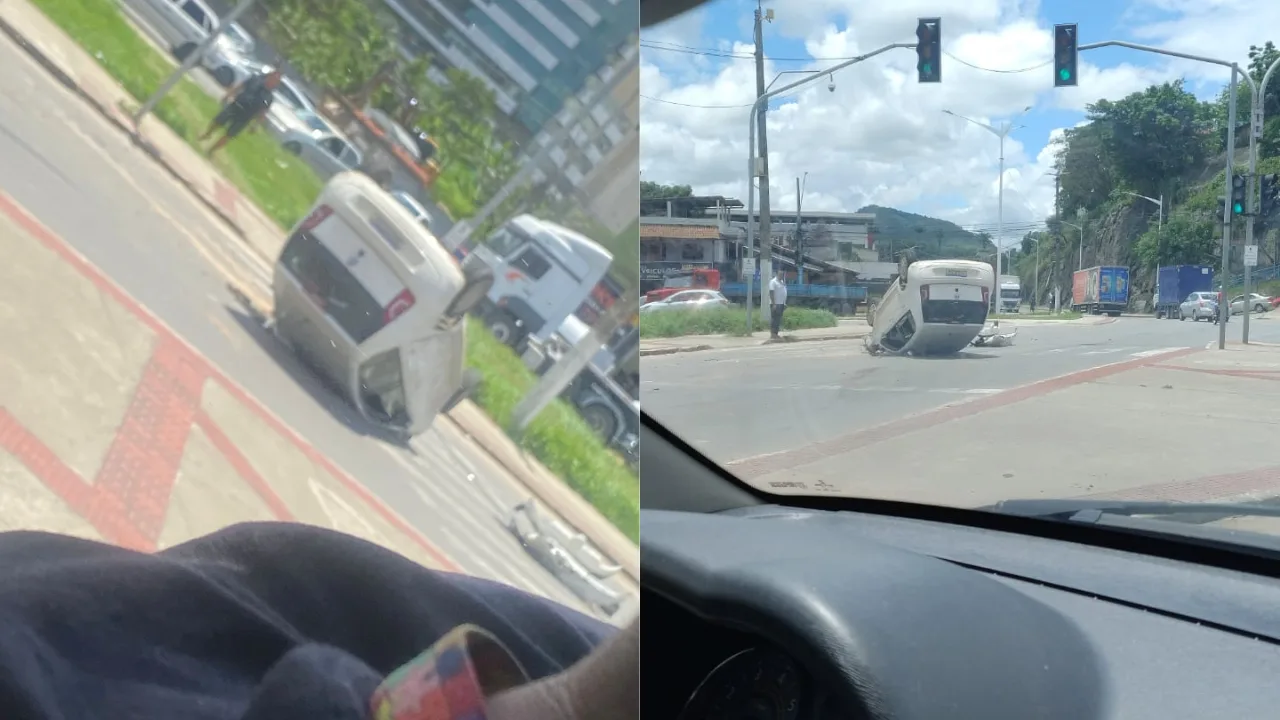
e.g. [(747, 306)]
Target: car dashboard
[(771, 612)]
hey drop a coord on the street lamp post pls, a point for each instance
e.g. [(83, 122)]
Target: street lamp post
[(1159, 203), (1002, 133), (765, 258)]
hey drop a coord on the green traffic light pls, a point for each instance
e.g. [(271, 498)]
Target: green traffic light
[(1065, 74), (1237, 209)]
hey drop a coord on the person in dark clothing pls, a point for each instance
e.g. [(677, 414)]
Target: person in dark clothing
[(277, 621), (242, 105)]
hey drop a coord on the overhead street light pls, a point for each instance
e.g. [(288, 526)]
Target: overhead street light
[(1002, 132)]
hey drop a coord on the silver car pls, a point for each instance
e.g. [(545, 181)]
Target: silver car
[(1199, 306), (688, 300), (1258, 303)]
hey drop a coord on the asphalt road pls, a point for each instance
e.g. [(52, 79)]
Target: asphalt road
[(734, 404), (86, 182)]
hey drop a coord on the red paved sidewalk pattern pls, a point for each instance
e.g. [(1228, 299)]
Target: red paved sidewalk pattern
[(128, 500)]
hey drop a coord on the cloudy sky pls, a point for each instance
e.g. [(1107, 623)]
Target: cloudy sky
[(882, 138)]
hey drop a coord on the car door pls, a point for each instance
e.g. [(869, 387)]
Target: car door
[(193, 22), (323, 155)]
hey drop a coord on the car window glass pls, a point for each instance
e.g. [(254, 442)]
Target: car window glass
[(195, 12), (531, 263), (333, 146)]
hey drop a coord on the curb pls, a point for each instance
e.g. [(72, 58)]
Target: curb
[(786, 341), (605, 537), (134, 134)]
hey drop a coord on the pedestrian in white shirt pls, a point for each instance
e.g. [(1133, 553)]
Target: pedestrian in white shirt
[(777, 302)]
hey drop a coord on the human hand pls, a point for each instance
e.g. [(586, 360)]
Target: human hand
[(605, 684)]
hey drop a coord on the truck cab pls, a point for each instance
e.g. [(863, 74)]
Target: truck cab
[(543, 272), (1010, 294)]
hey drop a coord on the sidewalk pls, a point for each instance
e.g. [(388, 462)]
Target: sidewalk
[(76, 69), (1191, 425), (113, 428), (854, 328)]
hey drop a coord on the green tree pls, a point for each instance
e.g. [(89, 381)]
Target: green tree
[(1154, 136), (336, 43), (1182, 241), (1086, 174), (653, 190)]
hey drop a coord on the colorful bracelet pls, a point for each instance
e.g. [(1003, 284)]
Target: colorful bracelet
[(450, 681)]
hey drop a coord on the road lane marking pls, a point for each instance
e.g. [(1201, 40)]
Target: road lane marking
[(765, 464), (1160, 351)]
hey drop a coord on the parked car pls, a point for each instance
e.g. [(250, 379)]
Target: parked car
[(1257, 302), (291, 110), (321, 146), (230, 60), (180, 24), (1199, 306), (395, 132), (415, 208), (687, 300)]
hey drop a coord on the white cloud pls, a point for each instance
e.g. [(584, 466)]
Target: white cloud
[(882, 137)]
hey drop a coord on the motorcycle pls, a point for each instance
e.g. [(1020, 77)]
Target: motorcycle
[(992, 336)]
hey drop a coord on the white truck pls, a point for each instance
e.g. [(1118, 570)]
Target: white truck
[(543, 272), (1010, 294)]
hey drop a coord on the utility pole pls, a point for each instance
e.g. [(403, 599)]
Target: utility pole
[(799, 235), (553, 383), (766, 235), (1224, 307)]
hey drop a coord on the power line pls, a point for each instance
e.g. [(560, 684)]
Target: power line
[(698, 107), (708, 52), (1046, 63)]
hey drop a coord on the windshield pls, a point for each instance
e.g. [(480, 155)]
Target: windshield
[(861, 371)]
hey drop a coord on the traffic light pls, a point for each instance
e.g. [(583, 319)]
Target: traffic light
[(1238, 185), (1269, 185), (1065, 56), (929, 50)]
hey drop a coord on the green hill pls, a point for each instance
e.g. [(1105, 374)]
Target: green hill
[(895, 230)]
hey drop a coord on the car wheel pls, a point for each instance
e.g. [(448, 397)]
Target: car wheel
[(1259, 308), (225, 76), (293, 147), (600, 420), (502, 330), (182, 52), (1180, 315)]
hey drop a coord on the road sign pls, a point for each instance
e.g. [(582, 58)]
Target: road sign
[(748, 266), (1251, 255)]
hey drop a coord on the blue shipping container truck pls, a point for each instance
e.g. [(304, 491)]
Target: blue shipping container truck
[(1175, 282), (1102, 289)]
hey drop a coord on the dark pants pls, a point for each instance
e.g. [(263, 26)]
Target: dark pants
[(233, 118), (775, 319)]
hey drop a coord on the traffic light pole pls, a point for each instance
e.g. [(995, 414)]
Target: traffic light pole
[(1224, 308), (764, 262), (1256, 118)]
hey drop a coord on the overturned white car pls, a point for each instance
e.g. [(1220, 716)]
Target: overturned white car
[(936, 307)]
